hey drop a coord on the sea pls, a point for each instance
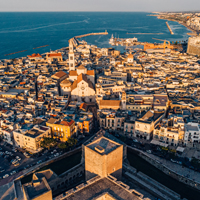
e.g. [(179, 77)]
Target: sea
[(21, 31)]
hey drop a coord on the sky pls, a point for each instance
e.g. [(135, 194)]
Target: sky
[(99, 5)]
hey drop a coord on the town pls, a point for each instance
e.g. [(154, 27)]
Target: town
[(52, 103)]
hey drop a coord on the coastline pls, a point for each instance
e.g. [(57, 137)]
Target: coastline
[(192, 33)]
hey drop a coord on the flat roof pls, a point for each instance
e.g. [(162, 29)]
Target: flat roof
[(99, 188), (103, 145), (33, 133)]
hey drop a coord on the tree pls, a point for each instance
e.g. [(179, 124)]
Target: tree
[(48, 142), (71, 142), (62, 146)]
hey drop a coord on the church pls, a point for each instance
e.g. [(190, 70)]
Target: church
[(81, 81)]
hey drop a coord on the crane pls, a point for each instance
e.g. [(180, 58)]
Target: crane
[(164, 45)]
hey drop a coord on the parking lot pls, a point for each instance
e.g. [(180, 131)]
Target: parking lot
[(13, 161)]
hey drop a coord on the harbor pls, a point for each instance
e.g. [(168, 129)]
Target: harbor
[(124, 41)]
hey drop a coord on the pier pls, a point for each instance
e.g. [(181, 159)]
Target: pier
[(170, 30), (146, 33), (75, 41), (89, 34)]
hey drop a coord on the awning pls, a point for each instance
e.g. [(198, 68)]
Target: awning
[(180, 149), (159, 143)]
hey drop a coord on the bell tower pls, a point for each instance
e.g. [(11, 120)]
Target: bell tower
[(71, 56), (123, 100)]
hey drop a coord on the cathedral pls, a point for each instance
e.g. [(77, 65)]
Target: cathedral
[(81, 81)]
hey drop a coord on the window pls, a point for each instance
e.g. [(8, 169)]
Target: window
[(71, 57)]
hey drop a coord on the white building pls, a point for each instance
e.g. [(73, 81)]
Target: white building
[(192, 133), (83, 89), (144, 126)]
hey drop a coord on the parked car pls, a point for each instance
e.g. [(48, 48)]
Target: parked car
[(16, 164), (148, 151), (174, 161), (135, 140), (13, 172), (5, 176)]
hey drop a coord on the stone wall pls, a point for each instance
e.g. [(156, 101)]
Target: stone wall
[(194, 45), (166, 170)]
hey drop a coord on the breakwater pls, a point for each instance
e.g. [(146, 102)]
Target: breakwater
[(89, 34), (170, 30)]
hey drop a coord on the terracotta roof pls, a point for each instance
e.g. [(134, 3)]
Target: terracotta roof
[(73, 73), (81, 67), (66, 82), (83, 106), (67, 123), (90, 72), (130, 56), (54, 54), (110, 102), (51, 120), (81, 77), (34, 55), (60, 74)]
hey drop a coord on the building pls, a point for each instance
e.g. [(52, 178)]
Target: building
[(144, 126), (103, 157), (31, 139), (82, 89), (54, 57), (71, 56), (170, 131), (40, 186), (192, 134), (59, 76), (61, 130), (110, 104)]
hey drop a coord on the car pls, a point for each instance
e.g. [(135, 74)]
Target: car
[(40, 161), (135, 140), (148, 151), (14, 161), (5, 176), (2, 170), (16, 164), (0, 148), (174, 161), (18, 158), (15, 150), (13, 172)]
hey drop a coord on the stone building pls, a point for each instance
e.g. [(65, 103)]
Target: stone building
[(194, 45), (82, 89), (102, 157)]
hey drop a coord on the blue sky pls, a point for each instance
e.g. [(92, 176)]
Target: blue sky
[(99, 5)]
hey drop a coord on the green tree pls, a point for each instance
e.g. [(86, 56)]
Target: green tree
[(62, 146), (48, 142), (71, 142)]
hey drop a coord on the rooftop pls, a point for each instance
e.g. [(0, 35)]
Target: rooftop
[(99, 188), (103, 145)]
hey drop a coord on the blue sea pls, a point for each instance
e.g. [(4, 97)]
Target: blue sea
[(25, 31)]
